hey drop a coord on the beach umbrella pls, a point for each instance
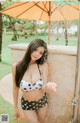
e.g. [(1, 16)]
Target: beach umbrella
[(43, 10)]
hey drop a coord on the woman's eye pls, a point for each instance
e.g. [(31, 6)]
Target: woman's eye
[(35, 49), (41, 53)]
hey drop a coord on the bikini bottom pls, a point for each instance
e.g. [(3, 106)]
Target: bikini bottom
[(34, 105)]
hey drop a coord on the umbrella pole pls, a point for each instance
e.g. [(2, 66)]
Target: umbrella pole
[(77, 82), (49, 26)]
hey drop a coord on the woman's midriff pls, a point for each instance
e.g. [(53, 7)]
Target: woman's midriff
[(33, 95)]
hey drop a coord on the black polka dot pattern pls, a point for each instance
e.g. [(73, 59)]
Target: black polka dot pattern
[(34, 105), (27, 86)]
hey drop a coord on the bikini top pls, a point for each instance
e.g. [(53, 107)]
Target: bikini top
[(28, 86)]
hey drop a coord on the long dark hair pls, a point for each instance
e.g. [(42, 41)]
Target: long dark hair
[(22, 66)]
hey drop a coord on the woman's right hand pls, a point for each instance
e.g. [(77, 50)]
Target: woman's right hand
[(17, 113), (51, 87)]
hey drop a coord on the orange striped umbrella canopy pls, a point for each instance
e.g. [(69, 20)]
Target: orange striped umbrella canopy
[(43, 10)]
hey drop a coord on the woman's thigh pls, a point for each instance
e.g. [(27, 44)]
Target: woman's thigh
[(30, 116), (42, 113)]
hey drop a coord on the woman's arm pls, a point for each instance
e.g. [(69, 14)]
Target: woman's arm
[(45, 76), (15, 88), (49, 87), (15, 92)]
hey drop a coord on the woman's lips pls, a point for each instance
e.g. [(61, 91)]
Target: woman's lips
[(35, 57)]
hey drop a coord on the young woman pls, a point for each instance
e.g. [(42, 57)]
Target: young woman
[(31, 76)]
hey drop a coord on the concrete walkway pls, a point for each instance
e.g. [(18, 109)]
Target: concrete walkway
[(6, 88)]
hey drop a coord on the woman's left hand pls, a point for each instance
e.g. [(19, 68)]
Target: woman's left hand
[(51, 87)]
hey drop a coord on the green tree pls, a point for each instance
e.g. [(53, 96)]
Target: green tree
[(2, 5)]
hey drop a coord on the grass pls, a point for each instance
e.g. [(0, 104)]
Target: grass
[(7, 108), (5, 65)]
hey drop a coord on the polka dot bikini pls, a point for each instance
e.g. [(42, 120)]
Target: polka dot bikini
[(28, 86), (34, 105)]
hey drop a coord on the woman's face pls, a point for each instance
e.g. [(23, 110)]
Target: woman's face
[(37, 54)]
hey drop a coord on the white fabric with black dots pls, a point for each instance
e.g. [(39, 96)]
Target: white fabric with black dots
[(27, 86)]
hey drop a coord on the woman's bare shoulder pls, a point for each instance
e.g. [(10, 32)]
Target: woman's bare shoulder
[(14, 66), (45, 65)]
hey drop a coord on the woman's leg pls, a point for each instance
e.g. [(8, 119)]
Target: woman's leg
[(30, 116), (42, 114)]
